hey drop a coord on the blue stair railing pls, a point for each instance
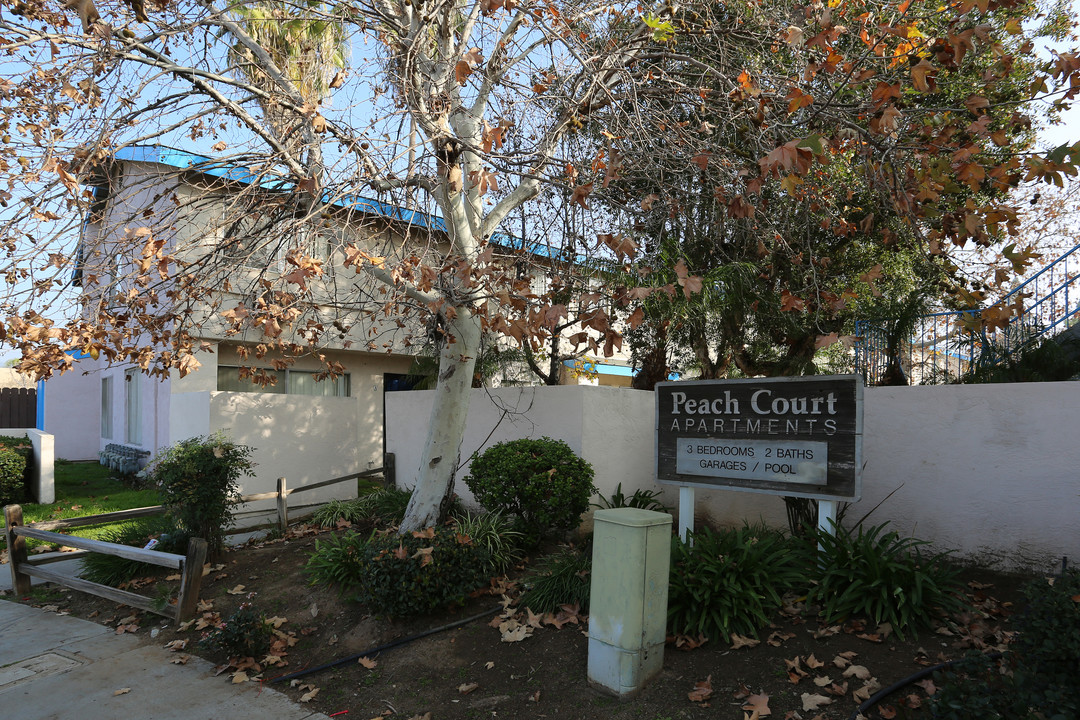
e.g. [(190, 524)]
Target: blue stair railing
[(942, 346)]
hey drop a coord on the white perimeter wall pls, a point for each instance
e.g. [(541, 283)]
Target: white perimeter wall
[(991, 471), (303, 439)]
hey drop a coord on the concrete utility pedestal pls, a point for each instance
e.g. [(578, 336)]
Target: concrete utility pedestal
[(628, 601)]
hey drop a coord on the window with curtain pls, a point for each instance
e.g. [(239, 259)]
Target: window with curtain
[(292, 382)]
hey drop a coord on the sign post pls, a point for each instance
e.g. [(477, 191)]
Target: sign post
[(794, 436)]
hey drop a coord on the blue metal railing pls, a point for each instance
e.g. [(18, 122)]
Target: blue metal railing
[(942, 347)]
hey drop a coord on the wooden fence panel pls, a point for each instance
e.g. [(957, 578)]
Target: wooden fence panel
[(18, 407)]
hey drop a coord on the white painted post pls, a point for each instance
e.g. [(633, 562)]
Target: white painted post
[(826, 518), (686, 511)]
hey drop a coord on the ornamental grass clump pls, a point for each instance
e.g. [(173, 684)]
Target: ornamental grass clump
[(541, 482), (884, 577), (732, 580)]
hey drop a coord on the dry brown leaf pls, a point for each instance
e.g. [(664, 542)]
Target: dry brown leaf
[(813, 663), (758, 704), (238, 590), (702, 690), (180, 660), (738, 641), (367, 662), (859, 671), (813, 701), (239, 677), (928, 686), (863, 694), (466, 688), (489, 665), (121, 691), (823, 681), (309, 695)]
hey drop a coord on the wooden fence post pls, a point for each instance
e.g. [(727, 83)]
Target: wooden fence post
[(191, 580), (16, 550), (390, 469), (283, 505)]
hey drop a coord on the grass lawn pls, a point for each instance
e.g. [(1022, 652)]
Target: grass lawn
[(86, 488)]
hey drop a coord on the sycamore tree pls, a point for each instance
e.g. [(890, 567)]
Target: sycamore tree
[(372, 206)]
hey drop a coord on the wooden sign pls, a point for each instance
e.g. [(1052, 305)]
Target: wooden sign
[(797, 436)]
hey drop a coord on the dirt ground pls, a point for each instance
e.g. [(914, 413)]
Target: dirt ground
[(800, 669)]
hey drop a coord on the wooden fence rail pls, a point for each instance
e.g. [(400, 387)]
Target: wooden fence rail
[(23, 567)]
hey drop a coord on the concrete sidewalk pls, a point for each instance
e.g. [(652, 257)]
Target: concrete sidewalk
[(56, 667)]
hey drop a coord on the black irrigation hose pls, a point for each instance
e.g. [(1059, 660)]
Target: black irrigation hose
[(380, 648), (886, 692)]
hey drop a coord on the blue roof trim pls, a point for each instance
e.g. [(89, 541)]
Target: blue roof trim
[(209, 166)]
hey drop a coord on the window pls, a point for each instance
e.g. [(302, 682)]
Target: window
[(292, 382), (132, 408), (106, 408), (304, 383), (229, 380)]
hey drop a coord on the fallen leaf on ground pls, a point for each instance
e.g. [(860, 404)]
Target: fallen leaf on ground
[(276, 621), (535, 697), (826, 632), (466, 688), (309, 695), (928, 686), (489, 665), (887, 711), (863, 694), (758, 704), (777, 638), (738, 641), (844, 659), (180, 660), (823, 681), (239, 677), (702, 690), (238, 590), (176, 645), (812, 701), (368, 663), (859, 671), (314, 609), (813, 663), (870, 637), (121, 691)]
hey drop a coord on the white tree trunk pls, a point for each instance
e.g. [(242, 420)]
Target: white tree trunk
[(435, 478)]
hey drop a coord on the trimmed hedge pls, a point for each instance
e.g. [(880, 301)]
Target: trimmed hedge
[(15, 462)]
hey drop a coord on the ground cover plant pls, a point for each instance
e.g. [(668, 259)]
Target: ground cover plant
[(1035, 678), (402, 575)]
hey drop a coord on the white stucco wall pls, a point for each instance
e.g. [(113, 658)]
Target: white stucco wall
[(989, 471), (73, 412), (495, 415)]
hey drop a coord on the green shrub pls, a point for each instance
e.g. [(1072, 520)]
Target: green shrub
[(641, 499), (402, 575), (1037, 679), (245, 633), (541, 482), (884, 577), (12, 476), (197, 479), (113, 570), (494, 533), (559, 579), (732, 581)]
